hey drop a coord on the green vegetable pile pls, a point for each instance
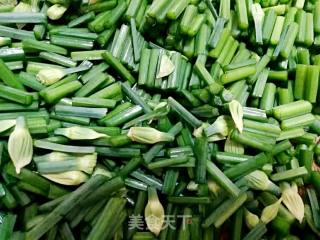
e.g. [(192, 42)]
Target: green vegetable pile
[(159, 119)]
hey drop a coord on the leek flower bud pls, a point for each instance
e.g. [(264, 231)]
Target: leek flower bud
[(221, 126), (258, 180), (270, 212), (293, 201), (49, 76), (214, 188), (148, 135), (70, 178), (166, 67), (198, 132), (20, 146), (66, 162), (56, 11), (251, 219), (236, 111), (100, 169), (154, 212), (233, 146), (79, 133)]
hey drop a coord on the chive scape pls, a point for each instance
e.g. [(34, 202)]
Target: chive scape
[(63, 148), (20, 17), (159, 119)]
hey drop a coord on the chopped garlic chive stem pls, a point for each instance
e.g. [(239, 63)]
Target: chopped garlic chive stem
[(242, 13), (135, 97), (63, 148), (83, 164), (257, 232), (42, 46), (22, 17), (184, 113), (222, 179), (82, 19), (8, 77), (245, 167), (118, 66), (291, 110), (293, 201), (80, 111), (93, 102), (56, 58), (226, 209), (300, 121), (289, 174), (276, 33)]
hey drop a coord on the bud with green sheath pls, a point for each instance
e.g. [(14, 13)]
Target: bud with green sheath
[(70, 178), (251, 219), (101, 170), (270, 212), (85, 163), (258, 180), (60, 156), (236, 112)]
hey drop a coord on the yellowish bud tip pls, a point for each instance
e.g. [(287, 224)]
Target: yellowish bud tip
[(166, 67), (49, 76), (236, 111), (148, 135), (56, 11), (18, 170)]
